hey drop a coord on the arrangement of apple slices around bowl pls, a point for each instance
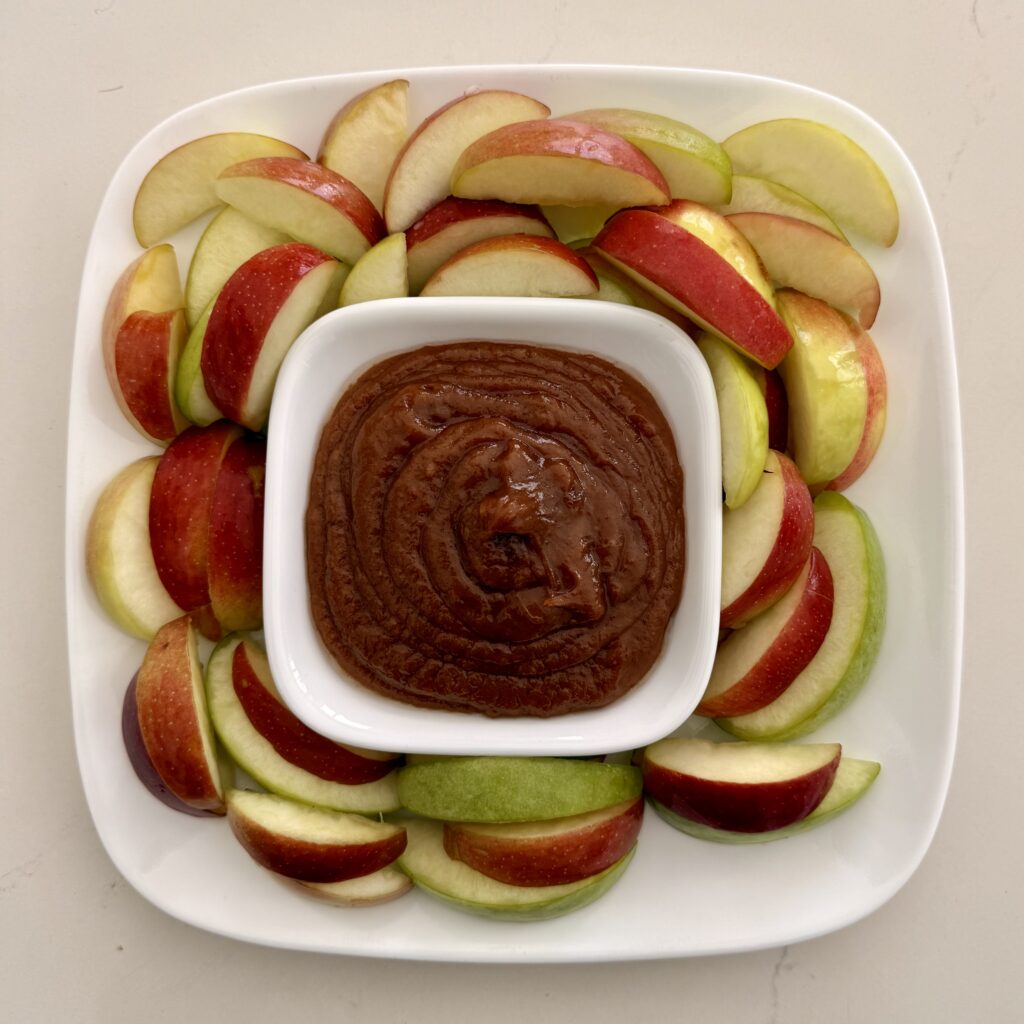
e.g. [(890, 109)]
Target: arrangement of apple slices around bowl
[(794, 226)]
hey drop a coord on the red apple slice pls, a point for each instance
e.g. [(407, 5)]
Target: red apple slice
[(774, 392), (766, 542), (741, 787), (381, 273), (379, 886), (756, 663)]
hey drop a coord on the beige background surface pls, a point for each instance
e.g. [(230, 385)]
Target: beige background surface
[(81, 81)]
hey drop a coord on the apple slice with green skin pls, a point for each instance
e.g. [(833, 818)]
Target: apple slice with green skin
[(306, 201), (756, 663), (777, 405), (260, 758), (366, 135), (836, 387), (457, 884), (695, 261), (824, 165), (799, 255), (845, 536), (609, 289), (577, 223), (189, 386), (180, 185), (694, 165), (119, 557), (421, 174), (379, 886), (766, 542), (547, 852), (759, 195), (495, 789), (852, 780), (739, 787), (311, 844), (264, 306), (381, 273), (514, 265), (743, 419), (456, 223), (558, 163)]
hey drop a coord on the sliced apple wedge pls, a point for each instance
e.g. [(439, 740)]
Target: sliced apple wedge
[(151, 282), (380, 273), (421, 175), (179, 186), (380, 886), (777, 404), (514, 265), (759, 195), (577, 223), (824, 165), (189, 386)]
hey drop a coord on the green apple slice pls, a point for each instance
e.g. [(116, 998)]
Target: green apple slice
[(380, 273), (845, 536), (577, 223), (824, 165), (759, 195), (610, 290), (743, 417), (189, 388), (853, 779), (432, 870)]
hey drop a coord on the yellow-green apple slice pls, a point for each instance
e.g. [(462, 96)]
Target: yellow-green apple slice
[(459, 885), (743, 419), (365, 136), (836, 388), (305, 201), (421, 175), (577, 223), (852, 780), (547, 852), (755, 663), (173, 720), (264, 306), (694, 165), (610, 289), (380, 886), (824, 165), (119, 557), (381, 273), (514, 265), (312, 844), (513, 788), (558, 163), (179, 186), (799, 255), (455, 223), (777, 405), (278, 751), (228, 241), (189, 387), (766, 542), (845, 536), (695, 261), (739, 787), (759, 195)]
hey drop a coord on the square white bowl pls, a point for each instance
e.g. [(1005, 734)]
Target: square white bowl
[(329, 356)]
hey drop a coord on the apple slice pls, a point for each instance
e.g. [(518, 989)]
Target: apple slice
[(558, 163), (766, 542), (577, 223), (308, 767), (777, 404), (179, 186), (119, 558), (514, 265), (151, 283), (852, 780), (366, 135), (381, 273), (264, 306), (756, 663), (494, 789), (311, 843), (824, 165), (759, 195), (189, 386), (694, 165), (740, 787), (547, 852), (743, 419), (845, 536), (695, 261), (457, 884), (799, 255), (455, 223), (380, 886), (421, 174)]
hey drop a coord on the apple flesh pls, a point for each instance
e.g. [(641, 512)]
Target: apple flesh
[(380, 886), (759, 195), (381, 273)]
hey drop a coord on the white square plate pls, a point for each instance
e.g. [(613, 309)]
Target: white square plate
[(680, 896)]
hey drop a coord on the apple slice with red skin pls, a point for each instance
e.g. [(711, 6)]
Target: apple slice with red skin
[(547, 852), (740, 787), (379, 886), (775, 401), (311, 844), (695, 261), (756, 663)]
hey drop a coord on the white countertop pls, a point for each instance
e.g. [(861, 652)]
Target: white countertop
[(76, 942)]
